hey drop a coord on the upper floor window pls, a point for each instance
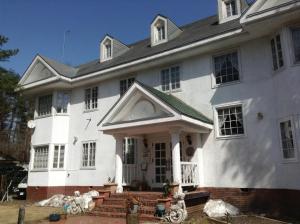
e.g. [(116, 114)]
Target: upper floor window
[(91, 98), (59, 156), (44, 105), (107, 49), (296, 43), (287, 139), (40, 160), (230, 121), (88, 154), (159, 31), (125, 85), (226, 68), (231, 9), (277, 54), (62, 102), (170, 78)]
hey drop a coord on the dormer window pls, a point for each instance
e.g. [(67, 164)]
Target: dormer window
[(160, 33), (231, 9), (107, 50)]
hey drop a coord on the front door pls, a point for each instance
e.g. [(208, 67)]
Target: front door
[(161, 163)]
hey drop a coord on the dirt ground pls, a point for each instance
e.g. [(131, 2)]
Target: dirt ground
[(33, 214)]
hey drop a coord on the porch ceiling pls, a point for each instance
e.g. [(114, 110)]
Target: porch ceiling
[(145, 110)]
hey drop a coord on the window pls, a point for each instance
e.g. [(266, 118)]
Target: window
[(62, 102), (170, 78), (226, 68), (41, 157), (59, 156), (296, 43), (231, 9), (129, 149), (45, 105), (91, 98), (230, 121), (277, 52), (159, 31), (125, 85), (89, 154), (107, 49), (287, 139)]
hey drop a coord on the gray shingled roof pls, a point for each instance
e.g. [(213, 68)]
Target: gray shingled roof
[(192, 32)]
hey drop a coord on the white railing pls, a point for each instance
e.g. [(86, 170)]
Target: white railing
[(189, 174), (129, 173)]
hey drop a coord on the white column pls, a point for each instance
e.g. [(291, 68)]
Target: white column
[(175, 138), (119, 163)]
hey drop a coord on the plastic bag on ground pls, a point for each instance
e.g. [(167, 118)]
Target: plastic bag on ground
[(219, 208)]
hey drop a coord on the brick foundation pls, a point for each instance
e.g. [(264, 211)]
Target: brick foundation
[(277, 202), (38, 193)]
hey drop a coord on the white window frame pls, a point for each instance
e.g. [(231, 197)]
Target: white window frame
[(91, 101), (105, 55), (213, 74), (293, 56), (216, 120), (127, 84), (38, 106), (88, 158), (155, 31), (34, 157), (288, 160), (65, 93), (274, 37), (170, 79), (58, 160), (229, 3)]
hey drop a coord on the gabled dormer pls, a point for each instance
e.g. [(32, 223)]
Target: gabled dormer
[(163, 30), (230, 9), (111, 48)]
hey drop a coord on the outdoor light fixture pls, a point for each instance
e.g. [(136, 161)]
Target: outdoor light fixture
[(145, 142), (189, 139), (260, 116)]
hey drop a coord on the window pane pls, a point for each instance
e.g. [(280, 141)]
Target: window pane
[(62, 102), (287, 140), (89, 154), (226, 68), (175, 77), (165, 80), (87, 99), (40, 160), (230, 121), (61, 156), (45, 105), (125, 85), (94, 97), (296, 43)]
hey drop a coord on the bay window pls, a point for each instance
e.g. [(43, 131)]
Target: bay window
[(44, 105), (62, 102), (40, 160)]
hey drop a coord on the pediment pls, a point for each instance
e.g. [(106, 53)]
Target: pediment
[(37, 71), (137, 107)]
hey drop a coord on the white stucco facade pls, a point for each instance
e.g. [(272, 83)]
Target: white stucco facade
[(252, 160)]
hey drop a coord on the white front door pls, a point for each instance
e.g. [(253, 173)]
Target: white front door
[(161, 163)]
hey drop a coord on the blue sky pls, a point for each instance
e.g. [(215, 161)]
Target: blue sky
[(38, 26)]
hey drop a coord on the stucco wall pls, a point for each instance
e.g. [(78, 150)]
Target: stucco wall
[(254, 160)]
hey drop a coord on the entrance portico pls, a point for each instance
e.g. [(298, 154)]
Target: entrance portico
[(157, 138)]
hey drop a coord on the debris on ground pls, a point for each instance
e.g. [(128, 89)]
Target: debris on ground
[(219, 208), (71, 204)]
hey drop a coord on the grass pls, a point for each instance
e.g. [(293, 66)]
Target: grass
[(33, 214)]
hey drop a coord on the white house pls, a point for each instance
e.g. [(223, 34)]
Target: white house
[(213, 104)]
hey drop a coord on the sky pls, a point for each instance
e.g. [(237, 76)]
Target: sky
[(38, 26)]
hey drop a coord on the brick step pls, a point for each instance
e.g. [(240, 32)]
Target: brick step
[(115, 201), (141, 195), (123, 209)]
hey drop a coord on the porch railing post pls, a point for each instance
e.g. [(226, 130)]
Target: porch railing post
[(119, 163), (175, 138)]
